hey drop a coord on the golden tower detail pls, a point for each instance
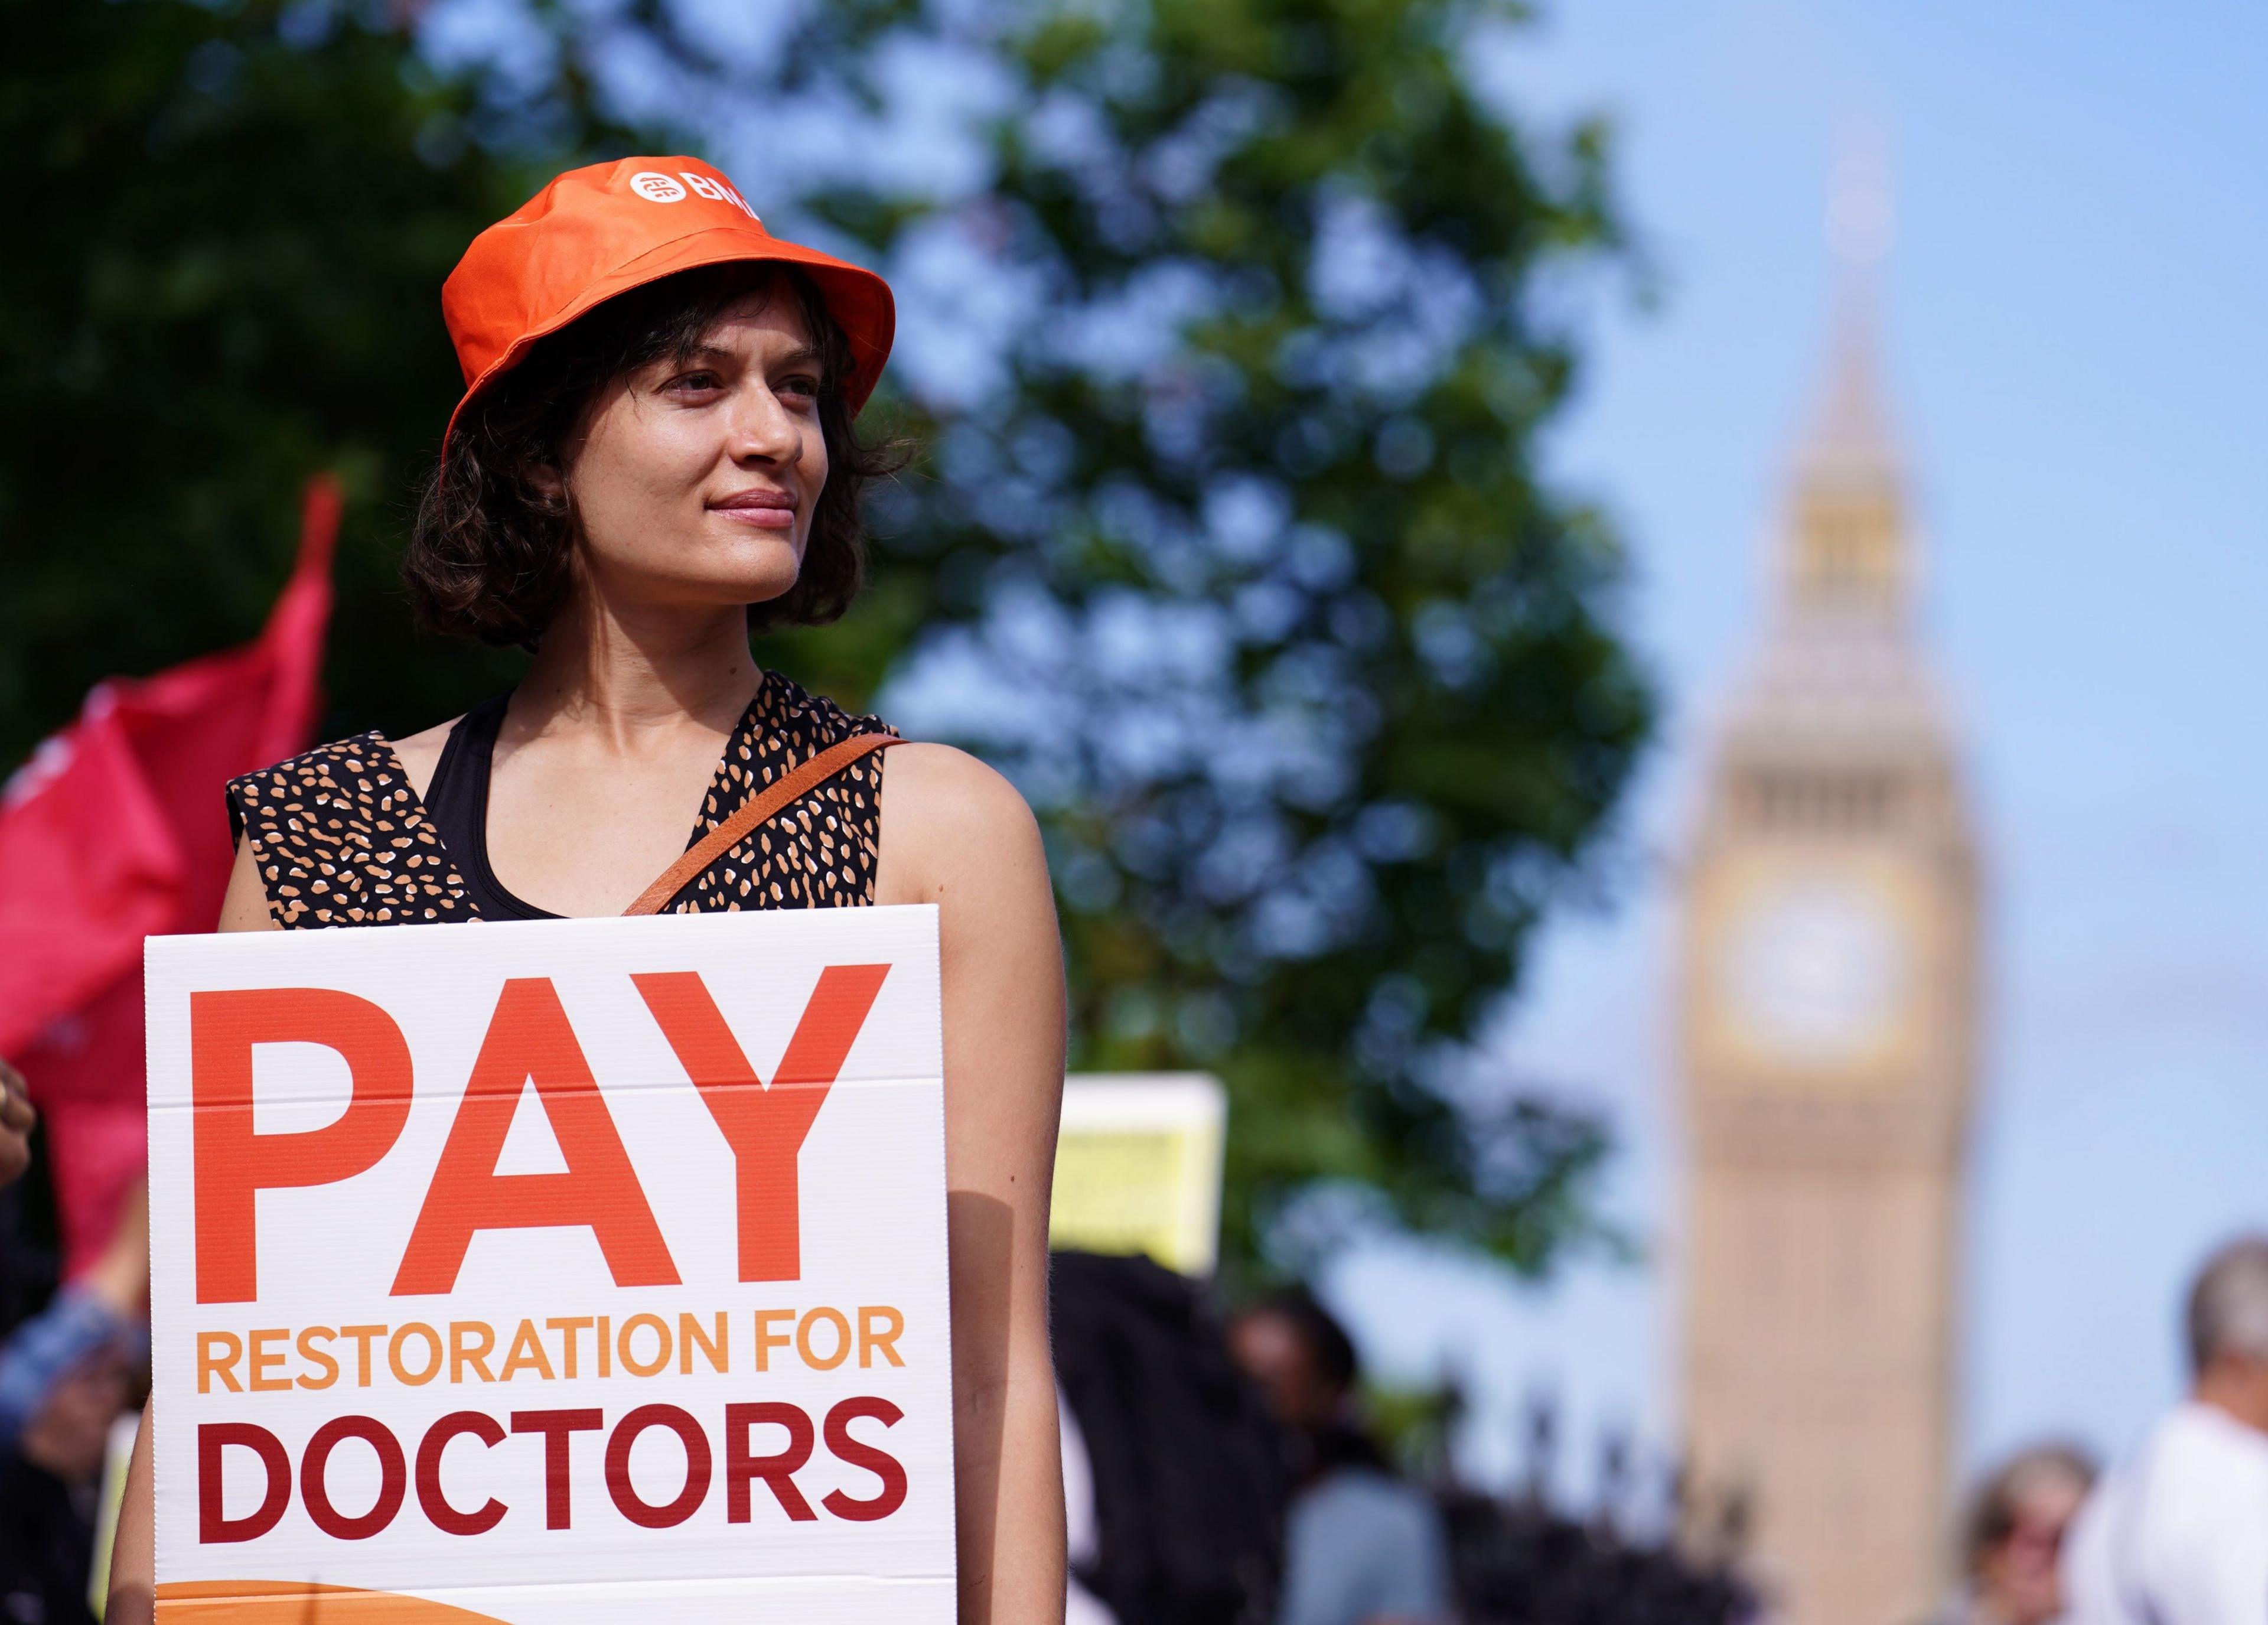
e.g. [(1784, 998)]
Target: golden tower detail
[(1827, 1040)]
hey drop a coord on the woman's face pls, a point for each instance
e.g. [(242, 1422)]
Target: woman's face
[(694, 480), (2019, 1577)]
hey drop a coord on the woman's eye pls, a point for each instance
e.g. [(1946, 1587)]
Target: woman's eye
[(802, 386), (697, 382)]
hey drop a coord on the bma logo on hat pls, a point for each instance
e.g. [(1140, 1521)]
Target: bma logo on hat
[(656, 187)]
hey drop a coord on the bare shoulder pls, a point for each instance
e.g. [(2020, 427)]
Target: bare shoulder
[(938, 789), (245, 906), (421, 753), (947, 818)]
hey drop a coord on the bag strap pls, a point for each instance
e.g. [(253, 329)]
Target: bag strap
[(799, 781)]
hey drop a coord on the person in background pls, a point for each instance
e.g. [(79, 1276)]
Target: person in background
[(1176, 1479), (1363, 1547), (2013, 1536), (2179, 1535), (96, 1324), (71, 1357), (15, 1119)]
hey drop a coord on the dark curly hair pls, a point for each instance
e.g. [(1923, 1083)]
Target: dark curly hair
[(493, 556)]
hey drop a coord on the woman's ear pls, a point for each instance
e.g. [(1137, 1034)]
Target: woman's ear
[(548, 484)]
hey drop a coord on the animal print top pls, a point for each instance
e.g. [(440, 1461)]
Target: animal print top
[(341, 838)]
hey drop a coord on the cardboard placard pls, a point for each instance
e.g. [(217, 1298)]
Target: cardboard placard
[(1138, 1167), (566, 1271)]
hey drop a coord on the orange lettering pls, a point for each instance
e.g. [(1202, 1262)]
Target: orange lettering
[(768, 1340), (567, 1325), (316, 1357), (526, 1351), (218, 1352), (842, 1339), (471, 1343), (712, 1349), (631, 1364), (402, 1367), (362, 1336), (765, 1126), (264, 1359), (879, 1327), (232, 1163), (529, 1041)]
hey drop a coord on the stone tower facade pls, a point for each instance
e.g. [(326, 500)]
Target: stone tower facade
[(1827, 1038)]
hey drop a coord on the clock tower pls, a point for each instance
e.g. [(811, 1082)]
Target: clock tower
[(1827, 1039)]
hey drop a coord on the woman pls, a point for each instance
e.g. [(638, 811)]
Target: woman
[(2013, 1536), (655, 453)]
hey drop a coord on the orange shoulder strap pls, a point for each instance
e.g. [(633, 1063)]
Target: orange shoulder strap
[(758, 808)]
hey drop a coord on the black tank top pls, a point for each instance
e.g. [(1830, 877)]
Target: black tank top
[(457, 800)]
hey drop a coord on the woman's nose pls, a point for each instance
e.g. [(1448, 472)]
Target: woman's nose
[(761, 429)]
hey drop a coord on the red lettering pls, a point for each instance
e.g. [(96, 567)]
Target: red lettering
[(232, 1163), (776, 1471), (215, 1528), (765, 1127), (529, 1040), (439, 1512), (393, 1477), (697, 1463), (886, 1468), (556, 1427)]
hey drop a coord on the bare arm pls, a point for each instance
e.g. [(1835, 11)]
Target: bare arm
[(957, 834), (134, 1557), (133, 1553)]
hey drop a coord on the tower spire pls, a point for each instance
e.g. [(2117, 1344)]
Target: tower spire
[(1846, 548)]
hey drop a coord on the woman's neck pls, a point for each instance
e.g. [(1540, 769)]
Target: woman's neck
[(622, 676)]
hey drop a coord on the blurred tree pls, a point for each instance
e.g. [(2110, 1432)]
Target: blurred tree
[(1231, 540), (231, 222), (1228, 533)]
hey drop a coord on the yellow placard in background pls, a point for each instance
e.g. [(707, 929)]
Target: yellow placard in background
[(1138, 1167)]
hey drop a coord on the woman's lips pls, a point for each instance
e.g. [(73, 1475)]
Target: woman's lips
[(766, 509)]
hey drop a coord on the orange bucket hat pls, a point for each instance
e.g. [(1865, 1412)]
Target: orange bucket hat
[(596, 232)]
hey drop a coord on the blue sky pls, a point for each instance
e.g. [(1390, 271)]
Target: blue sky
[(2078, 357)]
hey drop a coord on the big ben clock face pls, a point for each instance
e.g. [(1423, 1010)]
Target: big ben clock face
[(1814, 966)]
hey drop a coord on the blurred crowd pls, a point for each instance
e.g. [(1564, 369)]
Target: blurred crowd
[(2175, 1535), (1220, 1469), (74, 1358)]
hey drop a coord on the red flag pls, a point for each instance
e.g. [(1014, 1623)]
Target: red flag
[(117, 830)]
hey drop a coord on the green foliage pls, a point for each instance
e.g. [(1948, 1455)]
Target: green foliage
[(230, 224), (1314, 684), (1232, 546), (1414, 1425)]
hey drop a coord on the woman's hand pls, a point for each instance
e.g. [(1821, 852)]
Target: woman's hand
[(17, 1117), (956, 834)]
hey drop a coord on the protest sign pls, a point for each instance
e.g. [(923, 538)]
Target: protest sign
[(552, 1271), (1138, 1167)]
